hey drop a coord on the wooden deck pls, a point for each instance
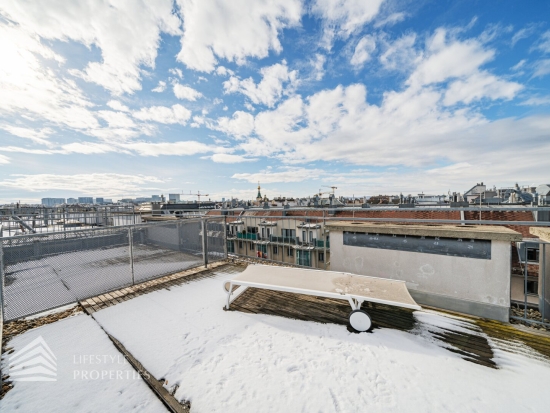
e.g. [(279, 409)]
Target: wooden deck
[(476, 345)]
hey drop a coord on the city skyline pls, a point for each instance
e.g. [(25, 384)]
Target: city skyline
[(371, 97)]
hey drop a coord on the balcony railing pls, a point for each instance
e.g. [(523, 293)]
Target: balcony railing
[(247, 236)]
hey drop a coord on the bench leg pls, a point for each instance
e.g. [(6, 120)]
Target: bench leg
[(233, 295)]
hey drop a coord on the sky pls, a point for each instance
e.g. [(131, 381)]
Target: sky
[(111, 98)]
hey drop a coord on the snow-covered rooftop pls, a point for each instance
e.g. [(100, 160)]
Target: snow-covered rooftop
[(224, 361)]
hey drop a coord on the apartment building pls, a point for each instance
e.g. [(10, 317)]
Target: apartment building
[(291, 241)]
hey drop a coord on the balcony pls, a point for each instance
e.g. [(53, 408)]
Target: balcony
[(251, 237)]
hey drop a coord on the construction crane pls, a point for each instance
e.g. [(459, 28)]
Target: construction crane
[(198, 195), (331, 187)]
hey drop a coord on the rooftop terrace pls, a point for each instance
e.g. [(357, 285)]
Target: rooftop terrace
[(273, 351)]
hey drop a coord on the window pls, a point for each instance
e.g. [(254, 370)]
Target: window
[(310, 236), (532, 254), (268, 232), (263, 232), (532, 288), (290, 252), (304, 236), (289, 233), (321, 257), (275, 250), (240, 245), (302, 258)]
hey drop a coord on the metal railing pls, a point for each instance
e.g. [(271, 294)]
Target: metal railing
[(535, 306), (40, 272), (37, 219)]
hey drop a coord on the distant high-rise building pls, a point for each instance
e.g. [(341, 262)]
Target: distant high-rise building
[(107, 201), (85, 200), (100, 201), (72, 200), (52, 201), (142, 199), (174, 197), (155, 198)]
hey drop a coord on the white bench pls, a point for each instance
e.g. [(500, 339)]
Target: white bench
[(353, 288)]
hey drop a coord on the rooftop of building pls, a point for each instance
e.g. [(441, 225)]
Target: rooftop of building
[(272, 352)]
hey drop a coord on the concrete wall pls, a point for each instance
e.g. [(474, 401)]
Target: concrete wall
[(473, 286)]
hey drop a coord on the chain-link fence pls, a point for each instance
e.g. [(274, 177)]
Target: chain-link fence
[(44, 271)]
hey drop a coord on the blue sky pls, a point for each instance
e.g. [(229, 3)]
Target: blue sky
[(117, 99)]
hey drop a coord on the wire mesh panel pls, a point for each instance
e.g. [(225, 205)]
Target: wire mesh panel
[(216, 239), (42, 272), (165, 248)]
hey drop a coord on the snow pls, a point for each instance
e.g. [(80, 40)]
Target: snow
[(81, 348), (232, 361)]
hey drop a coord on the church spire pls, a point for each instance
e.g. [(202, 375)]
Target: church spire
[(259, 196)]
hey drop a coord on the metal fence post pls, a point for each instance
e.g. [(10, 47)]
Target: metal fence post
[(131, 251), (225, 236), (525, 275), (1, 299), (204, 242), (543, 273)]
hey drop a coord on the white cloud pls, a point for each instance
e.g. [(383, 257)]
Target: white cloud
[(363, 51), (241, 124), (107, 184), (287, 175), (19, 149), (161, 87), (392, 19), (318, 66), (228, 158), (401, 54), (543, 44), (537, 101), (30, 86), (412, 127), (478, 86), (270, 89), (183, 148), (542, 68), (87, 148), (449, 58), (128, 34), (342, 18), (39, 136), (116, 105), (233, 30), (116, 119), (186, 92), (223, 71), (524, 33), (519, 65), (176, 71), (162, 114), (4, 160)]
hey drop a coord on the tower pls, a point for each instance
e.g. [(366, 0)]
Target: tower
[(259, 196)]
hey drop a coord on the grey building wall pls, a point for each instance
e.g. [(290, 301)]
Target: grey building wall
[(474, 286)]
